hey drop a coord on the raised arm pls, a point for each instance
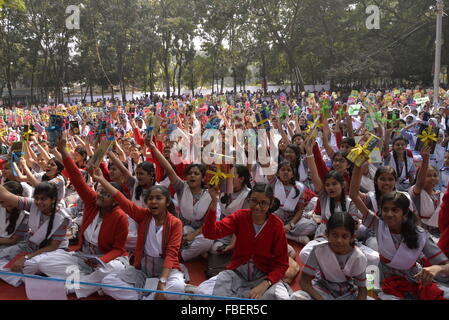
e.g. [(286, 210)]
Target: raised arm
[(354, 192), (7, 198), (326, 133), (421, 178), (134, 211), (213, 229), (127, 175), (30, 178), (316, 179), (171, 173), (86, 193)]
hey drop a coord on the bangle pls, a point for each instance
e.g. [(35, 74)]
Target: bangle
[(269, 282), (310, 156)]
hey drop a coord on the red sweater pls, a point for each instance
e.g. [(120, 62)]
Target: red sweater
[(268, 250), (323, 169), (171, 237), (443, 223), (113, 230)]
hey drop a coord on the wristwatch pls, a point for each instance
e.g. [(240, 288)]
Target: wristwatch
[(163, 280), (26, 257)]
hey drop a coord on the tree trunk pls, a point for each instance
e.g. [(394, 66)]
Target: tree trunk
[(91, 93), (264, 74), (234, 76), (151, 75)]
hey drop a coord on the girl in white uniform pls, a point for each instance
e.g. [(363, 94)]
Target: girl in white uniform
[(143, 180), (290, 194), (332, 198), (338, 266), (424, 196), (156, 264), (193, 203), (231, 203), (13, 222), (401, 160), (402, 245), (384, 182), (48, 228)]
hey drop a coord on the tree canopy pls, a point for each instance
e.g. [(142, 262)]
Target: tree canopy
[(170, 45)]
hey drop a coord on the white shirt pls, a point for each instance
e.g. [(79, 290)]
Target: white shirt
[(92, 232), (153, 243)]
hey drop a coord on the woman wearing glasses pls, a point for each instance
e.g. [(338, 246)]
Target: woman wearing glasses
[(260, 257)]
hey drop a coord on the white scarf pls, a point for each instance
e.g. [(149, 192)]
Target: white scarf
[(326, 215), (236, 204), (193, 212), (402, 258), (4, 224), (330, 266), (372, 196), (410, 165), (302, 171), (288, 203), (259, 177), (428, 211), (39, 232), (153, 243)]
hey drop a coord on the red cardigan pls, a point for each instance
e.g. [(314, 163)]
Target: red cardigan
[(113, 230), (171, 237), (268, 250), (443, 223)]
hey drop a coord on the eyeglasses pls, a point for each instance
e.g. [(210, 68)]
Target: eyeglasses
[(262, 204)]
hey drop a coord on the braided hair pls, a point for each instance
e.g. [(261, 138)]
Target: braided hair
[(337, 176), (51, 191), (15, 188), (149, 168)]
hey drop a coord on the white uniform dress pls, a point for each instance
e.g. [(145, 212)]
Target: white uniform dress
[(337, 276), (397, 259), (148, 278), (193, 209), (56, 263), (21, 224), (286, 212), (38, 225)]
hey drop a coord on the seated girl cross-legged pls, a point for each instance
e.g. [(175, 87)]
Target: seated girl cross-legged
[(48, 227), (260, 258), (338, 265)]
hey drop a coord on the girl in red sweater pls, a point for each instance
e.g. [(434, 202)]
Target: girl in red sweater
[(156, 263), (260, 257), (103, 233)]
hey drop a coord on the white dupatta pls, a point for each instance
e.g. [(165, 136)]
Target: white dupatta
[(38, 232), (190, 211), (326, 215), (402, 258), (288, 202), (330, 266), (236, 204)]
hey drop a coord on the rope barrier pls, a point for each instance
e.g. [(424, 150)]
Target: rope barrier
[(103, 285)]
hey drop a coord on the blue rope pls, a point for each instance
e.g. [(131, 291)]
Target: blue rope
[(31, 276)]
